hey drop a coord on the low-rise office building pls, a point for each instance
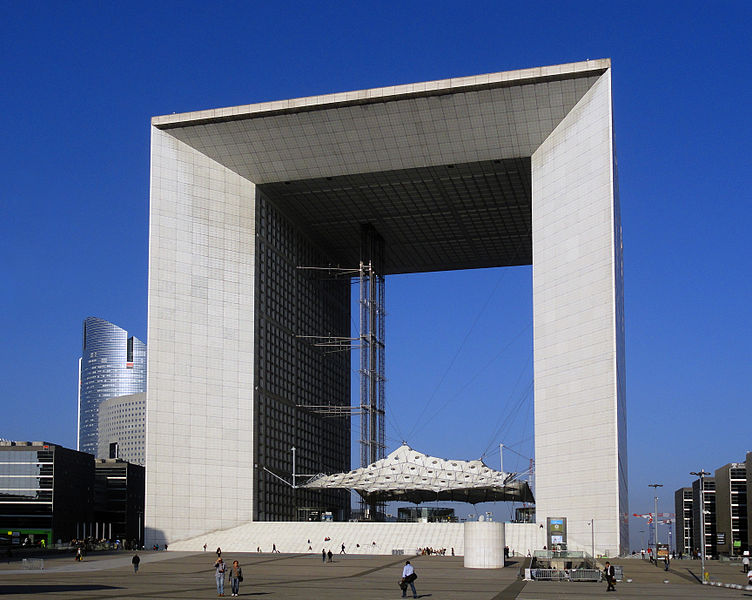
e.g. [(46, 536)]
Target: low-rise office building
[(49, 492), (709, 546), (683, 511), (731, 509), (119, 500), (46, 491), (748, 485), (727, 512)]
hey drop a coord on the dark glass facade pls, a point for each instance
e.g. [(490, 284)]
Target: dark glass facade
[(112, 364), (291, 372), (45, 490), (428, 514), (119, 499)]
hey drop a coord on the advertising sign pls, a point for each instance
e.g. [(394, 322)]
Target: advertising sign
[(663, 551), (556, 533)]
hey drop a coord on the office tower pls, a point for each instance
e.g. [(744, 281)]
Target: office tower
[(112, 364), (122, 425)]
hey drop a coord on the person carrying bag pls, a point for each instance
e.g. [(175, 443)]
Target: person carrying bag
[(408, 578)]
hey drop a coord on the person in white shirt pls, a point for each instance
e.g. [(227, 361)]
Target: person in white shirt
[(745, 564), (408, 577)]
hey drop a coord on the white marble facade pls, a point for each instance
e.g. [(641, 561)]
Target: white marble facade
[(200, 384), (205, 169), (576, 299)]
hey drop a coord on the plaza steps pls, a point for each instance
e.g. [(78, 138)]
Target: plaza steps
[(359, 538)]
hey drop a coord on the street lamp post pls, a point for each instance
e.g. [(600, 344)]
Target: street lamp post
[(701, 474), (655, 486)]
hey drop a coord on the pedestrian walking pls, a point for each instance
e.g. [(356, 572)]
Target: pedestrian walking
[(408, 578), (135, 562), (343, 549), (329, 555), (610, 574), (666, 563), (204, 547), (323, 555), (220, 568), (745, 563), (219, 552), (236, 577)]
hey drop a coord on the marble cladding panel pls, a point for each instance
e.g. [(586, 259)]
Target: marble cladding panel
[(200, 388), (576, 338), (399, 133)]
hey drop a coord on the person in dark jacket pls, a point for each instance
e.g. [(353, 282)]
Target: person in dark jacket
[(236, 576), (135, 562), (610, 574)]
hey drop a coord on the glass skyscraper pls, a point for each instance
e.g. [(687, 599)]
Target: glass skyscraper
[(112, 364)]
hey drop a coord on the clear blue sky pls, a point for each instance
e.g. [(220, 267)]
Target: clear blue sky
[(81, 80)]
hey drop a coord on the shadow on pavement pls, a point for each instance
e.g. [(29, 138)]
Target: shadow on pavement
[(44, 589), (693, 576)]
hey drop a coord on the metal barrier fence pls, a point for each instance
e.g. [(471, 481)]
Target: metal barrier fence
[(565, 575), (586, 575), (36, 564), (560, 554), (549, 575)]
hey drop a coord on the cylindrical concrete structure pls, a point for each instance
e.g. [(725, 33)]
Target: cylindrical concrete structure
[(484, 545)]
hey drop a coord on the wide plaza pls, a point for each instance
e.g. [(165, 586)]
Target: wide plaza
[(183, 575)]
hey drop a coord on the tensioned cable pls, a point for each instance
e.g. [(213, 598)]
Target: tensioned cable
[(517, 251), (392, 421), (497, 434), (502, 415), (479, 372), (526, 422), (511, 449), (458, 352)]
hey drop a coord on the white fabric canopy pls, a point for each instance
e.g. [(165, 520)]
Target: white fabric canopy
[(412, 476)]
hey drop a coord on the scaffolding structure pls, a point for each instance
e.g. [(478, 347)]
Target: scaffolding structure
[(372, 367), (371, 344), (372, 361)]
